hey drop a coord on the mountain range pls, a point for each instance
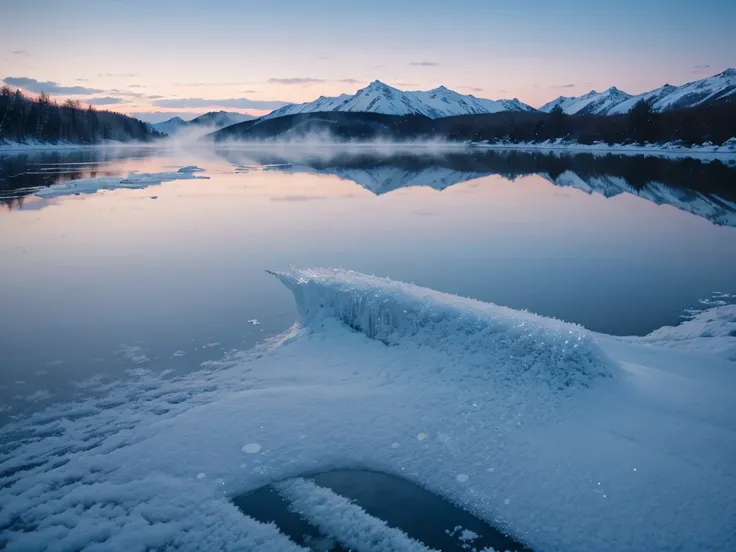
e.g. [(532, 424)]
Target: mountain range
[(616, 102), (441, 102), (216, 119), (379, 97)]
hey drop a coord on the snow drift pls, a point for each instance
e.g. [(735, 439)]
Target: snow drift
[(506, 344)]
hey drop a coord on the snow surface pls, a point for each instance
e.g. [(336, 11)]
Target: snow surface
[(378, 97), (596, 442), (716, 325), (134, 180)]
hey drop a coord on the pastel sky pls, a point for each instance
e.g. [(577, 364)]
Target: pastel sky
[(158, 58)]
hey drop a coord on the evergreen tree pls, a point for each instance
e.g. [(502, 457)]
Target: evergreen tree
[(558, 124), (643, 122)]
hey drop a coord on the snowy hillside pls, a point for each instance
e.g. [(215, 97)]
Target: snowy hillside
[(614, 101), (713, 88), (378, 97), (217, 119), (592, 103)]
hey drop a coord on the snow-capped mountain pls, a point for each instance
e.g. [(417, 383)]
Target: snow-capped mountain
[(378, 97), (217, 119), (614, 101), (694, 93), (592, 103)]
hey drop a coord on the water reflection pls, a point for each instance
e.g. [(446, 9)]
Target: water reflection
[(705, 189), (21, 174)]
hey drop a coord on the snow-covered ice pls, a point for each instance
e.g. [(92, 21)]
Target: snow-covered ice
[(596, 442), (134, 180), (725, 152)]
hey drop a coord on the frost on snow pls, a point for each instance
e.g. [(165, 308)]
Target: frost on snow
[(596, 442)]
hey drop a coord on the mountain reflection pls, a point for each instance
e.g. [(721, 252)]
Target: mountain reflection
[(705, 189)]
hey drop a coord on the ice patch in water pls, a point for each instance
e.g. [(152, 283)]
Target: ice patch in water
[(134, 353), (40, 395), (190, 169), (252, 448), (468, 536), (462, 477), (254, 321), (134, 180)]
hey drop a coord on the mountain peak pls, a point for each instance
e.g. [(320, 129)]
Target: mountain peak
[(377, 84), (730, 72)]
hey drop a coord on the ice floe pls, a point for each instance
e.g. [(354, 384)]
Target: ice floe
[(134, 180)]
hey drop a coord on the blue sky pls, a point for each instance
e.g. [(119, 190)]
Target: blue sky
[(186, 55)]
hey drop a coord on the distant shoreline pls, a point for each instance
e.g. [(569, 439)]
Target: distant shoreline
[(726, 152)]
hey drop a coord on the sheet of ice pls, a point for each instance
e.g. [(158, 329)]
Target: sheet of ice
[(134, 180), (600, 443)]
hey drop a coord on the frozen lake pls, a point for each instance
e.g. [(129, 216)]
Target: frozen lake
[(156, 392), (107, 283)]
